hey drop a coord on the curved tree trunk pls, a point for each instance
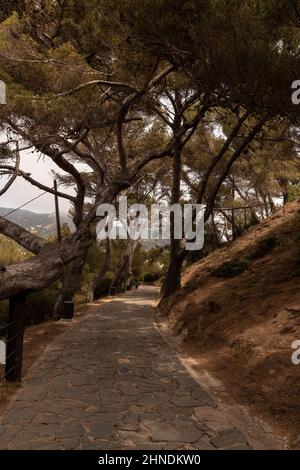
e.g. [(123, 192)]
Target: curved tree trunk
[(38, 272), (71, 282)]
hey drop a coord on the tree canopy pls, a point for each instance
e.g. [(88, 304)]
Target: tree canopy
[(112, 92)]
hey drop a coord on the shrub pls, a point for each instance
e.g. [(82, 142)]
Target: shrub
[(103, 288), (151, 277), (231, 268), (39, 306)]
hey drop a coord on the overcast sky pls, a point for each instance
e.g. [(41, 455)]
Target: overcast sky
[(21, 191)]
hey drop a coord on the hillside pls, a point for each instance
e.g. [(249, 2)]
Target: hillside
[(43, 224), (238, 315)]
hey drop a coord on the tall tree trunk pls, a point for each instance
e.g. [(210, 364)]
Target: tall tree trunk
[(260, 209), (215, 230), (125, 264), (118, 273), (177, 254), (173, 278), (71, 281), (99, 275), (271, 202), (132, 244), (234, 228), (285, 194), (265, 202), (284, 185)]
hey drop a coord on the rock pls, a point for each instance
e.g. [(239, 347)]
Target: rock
[(102, 430), (71, 429), (161, 432), (47, 430), (228, 438), (184, 401)]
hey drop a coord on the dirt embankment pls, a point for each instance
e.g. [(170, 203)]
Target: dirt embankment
[(238, 315)]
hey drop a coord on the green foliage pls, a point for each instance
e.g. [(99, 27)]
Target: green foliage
[(155, 264), (103, 289), (231, 268), (151, 277), (138, 262), (10, 251), (294, 192), (40, 305), (226, 49), (236, 267)]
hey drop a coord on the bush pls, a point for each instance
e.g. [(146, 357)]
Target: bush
[(39, 306), (231, 268), (151, 277), (103, 288)]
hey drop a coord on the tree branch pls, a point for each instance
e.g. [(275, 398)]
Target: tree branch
[(97, 82), (14, 174), (219, 156), (40, 271), (127, 102), (23, 237), (39, 185), (227, 167)]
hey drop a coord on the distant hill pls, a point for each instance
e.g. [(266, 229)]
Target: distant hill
[(43, 224)]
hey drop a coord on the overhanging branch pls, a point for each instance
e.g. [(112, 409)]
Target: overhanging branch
[(23, 237)]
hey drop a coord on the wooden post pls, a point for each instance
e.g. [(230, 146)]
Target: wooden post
[(233, 210), (14, 347), (233, 225), (2, 92), (58, 226)]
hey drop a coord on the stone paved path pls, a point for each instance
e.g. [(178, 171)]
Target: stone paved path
[(112, 382)]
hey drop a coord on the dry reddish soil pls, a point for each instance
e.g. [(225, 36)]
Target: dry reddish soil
[(241, 329)]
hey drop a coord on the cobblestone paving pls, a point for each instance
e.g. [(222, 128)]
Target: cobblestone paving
[(112, 382)]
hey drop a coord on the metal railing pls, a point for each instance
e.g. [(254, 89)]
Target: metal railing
[(12, 333), (7, 368), (240, 216)]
